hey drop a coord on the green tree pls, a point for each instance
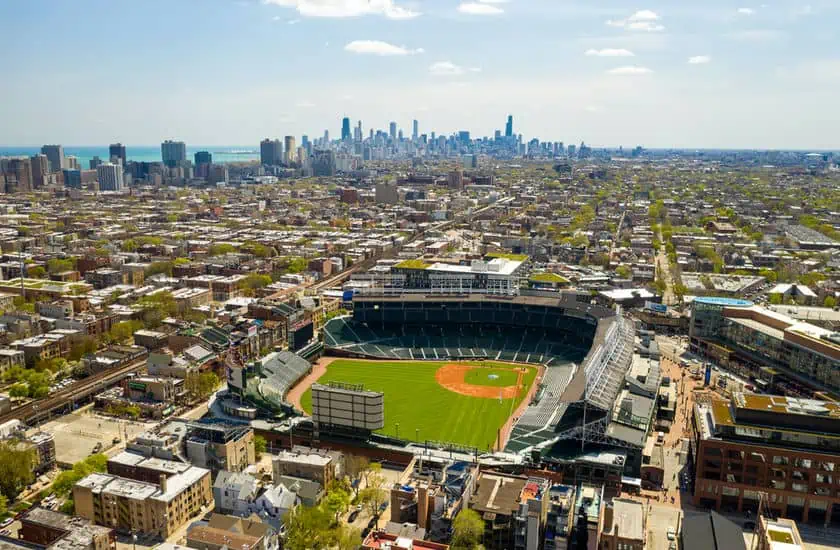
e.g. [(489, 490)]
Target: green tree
[(308, 528), (776, 299), (624, 271), (16, 463), (18, 390), (338, 498), (830, 301), (201, 385), (373, 495), (57, 265), (156, 268), (769, 275), (4, 505), (122, 331), (68, 478), (467, 530), (157, 307), (129, 245), (253, 282), (220, 249), (36, 272), (260, 445), (85, 346)]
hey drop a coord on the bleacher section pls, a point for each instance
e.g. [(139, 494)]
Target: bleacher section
[(602, 372), (278, 372), (430, 342)]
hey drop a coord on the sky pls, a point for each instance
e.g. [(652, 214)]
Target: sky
[(656, 73)]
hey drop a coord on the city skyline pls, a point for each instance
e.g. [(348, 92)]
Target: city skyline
[(710, 75)]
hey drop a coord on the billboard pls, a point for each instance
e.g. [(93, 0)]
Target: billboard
[(708, 378), (658, 308), (252, 331)]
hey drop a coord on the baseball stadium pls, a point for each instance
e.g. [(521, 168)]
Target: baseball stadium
[(514, 373)]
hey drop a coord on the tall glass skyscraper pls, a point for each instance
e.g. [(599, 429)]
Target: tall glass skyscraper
[(345, 129)]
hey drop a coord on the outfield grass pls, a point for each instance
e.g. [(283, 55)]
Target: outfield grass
[(415, 401), (481, 377)]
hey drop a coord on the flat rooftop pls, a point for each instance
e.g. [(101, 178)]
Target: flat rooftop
[(498, 494), (628, 518)]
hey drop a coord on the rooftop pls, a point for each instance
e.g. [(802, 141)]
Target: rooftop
[(377, 539), (722, 301), (782, 534), (202, 535), (498, 494), (628, 519)]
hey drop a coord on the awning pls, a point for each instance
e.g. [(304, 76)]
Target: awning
[(634, 481)]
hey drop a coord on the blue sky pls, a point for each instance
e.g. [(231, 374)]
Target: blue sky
[(711, 73)]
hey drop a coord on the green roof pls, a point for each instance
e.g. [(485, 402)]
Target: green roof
[(548, 278), (507, 256), (413, 264)]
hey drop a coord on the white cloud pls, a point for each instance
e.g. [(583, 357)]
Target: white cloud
[(610, 52), (479, 8), (377, 47), (699, 60), (293, 21), (276, 18), (630, 70), (346, 8), (305, 104), (746, 11), (447, 68), (642, 20)]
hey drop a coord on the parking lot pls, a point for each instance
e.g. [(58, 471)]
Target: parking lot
[(77, 434)]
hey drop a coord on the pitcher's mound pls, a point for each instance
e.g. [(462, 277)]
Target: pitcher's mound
[(451, 376)]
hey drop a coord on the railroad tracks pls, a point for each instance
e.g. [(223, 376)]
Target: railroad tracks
[(41, 408)]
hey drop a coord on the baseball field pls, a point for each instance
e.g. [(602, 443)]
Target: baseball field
[(464, 403)]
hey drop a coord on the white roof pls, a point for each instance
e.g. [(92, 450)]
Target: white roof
[(627, 293)]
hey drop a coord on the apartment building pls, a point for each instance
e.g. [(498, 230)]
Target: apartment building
[(130, 506), (771, 345), (781, 449), (220, 446), (315, 464)]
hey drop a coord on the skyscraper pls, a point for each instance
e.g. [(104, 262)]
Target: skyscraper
[(345, 129), (393, 131), (290, 149), (72, 178), (203, 161), (117, 151), (94, 162), (173, 152), (509, 126), (40, 169), (414, 130), (22, 169), (271, 152), (55, 154), (110, 176)]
